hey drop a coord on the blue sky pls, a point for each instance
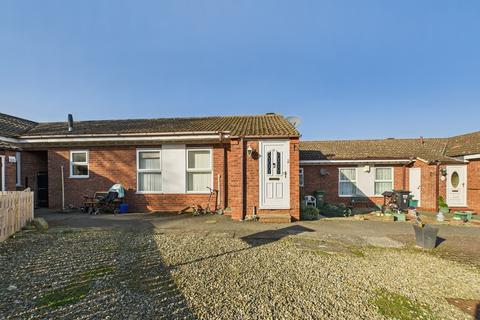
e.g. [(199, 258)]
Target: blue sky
[(348, 69)]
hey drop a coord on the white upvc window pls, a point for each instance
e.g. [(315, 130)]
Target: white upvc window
[(347, 182), (199, 170), (149, 171), (383, 180), (302, 177), (18, 167), (79, 164)]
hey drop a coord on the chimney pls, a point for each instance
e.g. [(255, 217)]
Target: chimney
[(422, 141), (70, 122)]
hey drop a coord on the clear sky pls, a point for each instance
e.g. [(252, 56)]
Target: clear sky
[(348, 69)]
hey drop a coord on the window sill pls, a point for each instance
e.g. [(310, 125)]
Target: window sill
[(79, 177), (149, 192)]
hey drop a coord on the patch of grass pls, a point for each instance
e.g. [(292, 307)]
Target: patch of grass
[(64, 296), (96, 272), (75, 291), (396, 306)]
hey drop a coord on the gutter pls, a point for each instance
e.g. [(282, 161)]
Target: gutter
[(121, 137), (326, 162)]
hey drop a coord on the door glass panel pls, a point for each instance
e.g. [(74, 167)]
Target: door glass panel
[(269, 163), (455, 179), (279, 163)]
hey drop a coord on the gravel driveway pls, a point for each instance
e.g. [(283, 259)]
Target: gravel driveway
[(85, 274)]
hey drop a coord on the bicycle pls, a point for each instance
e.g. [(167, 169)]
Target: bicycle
[(199, 210)]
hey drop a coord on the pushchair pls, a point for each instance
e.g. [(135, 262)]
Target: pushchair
[(104, 201)]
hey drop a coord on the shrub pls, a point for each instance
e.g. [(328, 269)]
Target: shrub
[(309, 213)]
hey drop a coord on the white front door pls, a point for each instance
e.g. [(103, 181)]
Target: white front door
[(274, 174), (415, 183), (457, 186)]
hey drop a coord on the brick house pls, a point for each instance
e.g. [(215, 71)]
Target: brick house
[(164, 164), (359, 171)]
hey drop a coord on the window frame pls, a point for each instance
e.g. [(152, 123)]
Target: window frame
[(354, 182), (18, 169), (375, 179), (159, 150), (86, 163), (201, 170), (301, 177)]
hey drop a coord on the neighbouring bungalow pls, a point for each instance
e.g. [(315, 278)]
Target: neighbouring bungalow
[(357, 172), (164, 164)]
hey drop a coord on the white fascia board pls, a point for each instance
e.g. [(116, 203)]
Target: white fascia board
[(327, 162), (472, 156), (8, 139)]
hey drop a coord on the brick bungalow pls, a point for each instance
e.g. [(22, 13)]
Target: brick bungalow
[(164, 164), (359, 171)]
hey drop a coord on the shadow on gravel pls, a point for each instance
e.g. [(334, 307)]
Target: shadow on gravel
[(89, 274), (257, 239)]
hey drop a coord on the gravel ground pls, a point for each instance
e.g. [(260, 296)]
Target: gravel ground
[(216, 276)]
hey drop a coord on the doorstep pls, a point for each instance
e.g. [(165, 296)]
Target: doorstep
[(275, 218)]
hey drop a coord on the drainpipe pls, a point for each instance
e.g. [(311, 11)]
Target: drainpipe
[(243, 179), (437, 184)]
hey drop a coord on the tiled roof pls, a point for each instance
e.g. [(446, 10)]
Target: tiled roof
[(7, 146), (464, 144), (11, 126), (256, 125), (430, 150)]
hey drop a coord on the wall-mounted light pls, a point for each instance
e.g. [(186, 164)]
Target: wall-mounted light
[(443, 172), (249, 151)]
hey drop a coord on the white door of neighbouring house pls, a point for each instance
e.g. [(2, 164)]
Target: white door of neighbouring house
[(415, 183), (457, 186), (274, 175)]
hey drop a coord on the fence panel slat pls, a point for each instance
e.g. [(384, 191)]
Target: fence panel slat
[(16, 210)]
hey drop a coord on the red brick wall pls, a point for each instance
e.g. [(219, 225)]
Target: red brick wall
[(110, 165), (473, 185)]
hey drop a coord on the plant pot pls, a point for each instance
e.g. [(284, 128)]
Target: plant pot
[(426, 236), (444, 210)]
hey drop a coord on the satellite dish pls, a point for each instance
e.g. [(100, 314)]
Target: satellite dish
[(295, 121)]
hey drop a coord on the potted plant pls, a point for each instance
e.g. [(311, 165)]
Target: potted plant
[(443, 207)]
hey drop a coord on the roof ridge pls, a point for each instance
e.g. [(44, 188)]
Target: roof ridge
[(374, 140), (5, 115), (173, 118)]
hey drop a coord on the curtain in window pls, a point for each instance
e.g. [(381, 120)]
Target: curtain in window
[(199, 159), (149, 160), (199, 181), (347, 188), (383, 174), (383, 177), (79, 157), (150, 181), (381, 187), (347, 182), (347, 174)]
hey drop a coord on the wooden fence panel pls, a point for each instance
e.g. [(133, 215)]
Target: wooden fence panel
[(16, 210)]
